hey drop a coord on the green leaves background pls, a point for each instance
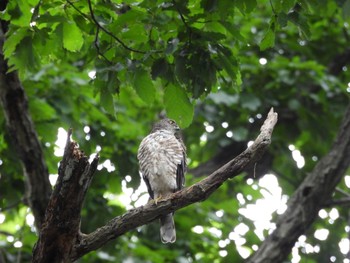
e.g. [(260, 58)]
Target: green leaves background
[(200, 62)]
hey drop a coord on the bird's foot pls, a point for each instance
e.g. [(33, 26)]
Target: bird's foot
[(156, 200)]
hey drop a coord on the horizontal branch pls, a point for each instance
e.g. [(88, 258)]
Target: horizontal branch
[(338, 202), (195, 193)]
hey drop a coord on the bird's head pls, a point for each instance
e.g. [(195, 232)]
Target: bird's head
[(166, 124)]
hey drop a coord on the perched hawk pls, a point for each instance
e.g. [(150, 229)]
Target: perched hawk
[(162, 158)]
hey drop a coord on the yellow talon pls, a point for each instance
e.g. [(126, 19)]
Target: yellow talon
[(157, 199)]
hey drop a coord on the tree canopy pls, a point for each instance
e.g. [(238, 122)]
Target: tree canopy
[(109, 69)]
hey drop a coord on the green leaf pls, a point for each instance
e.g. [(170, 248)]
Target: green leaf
[(250, 5), (178, 106), (282, 19), (287, 5), (135, 34), (113, 82), (210, 36), (106, 100), (182, 68), (143, 85), (301, 22), (41, 110), (13, 39), (246, 6), (230, 65), (268, 41), (26, 57), (230, 27), (159, 68), (72, 37), (20, 13), (209, 5)]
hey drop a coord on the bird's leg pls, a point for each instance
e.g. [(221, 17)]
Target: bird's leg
[(159, 197)]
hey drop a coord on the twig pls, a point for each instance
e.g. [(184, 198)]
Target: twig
[(98, 46), (109, 33), (188, 28), (100, 27), (78, 10), (338, 202), (15, 204), (273, 9), (5, 233), (342, 192)]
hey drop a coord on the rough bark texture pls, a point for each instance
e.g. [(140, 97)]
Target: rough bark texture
[(21, 129), (315, 192), (61, 227), (195, 193)]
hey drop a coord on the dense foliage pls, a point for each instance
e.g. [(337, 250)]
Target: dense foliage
[(109, 69)]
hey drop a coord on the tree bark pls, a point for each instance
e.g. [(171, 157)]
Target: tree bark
[(25, 139), (314, 192), (61, 228)]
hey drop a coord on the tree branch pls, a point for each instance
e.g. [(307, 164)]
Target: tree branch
[(109, 33), (97, 46), (338, 202), (61, 227), (25, 139), (102, 28), (188, 28), (308, 199), (195, 193)]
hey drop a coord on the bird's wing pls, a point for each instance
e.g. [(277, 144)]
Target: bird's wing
[(149, 188), (180, 173)]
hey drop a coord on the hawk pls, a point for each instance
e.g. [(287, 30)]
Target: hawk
[(162, 159)]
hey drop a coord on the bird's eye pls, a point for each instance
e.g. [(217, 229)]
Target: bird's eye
[(171, 121)]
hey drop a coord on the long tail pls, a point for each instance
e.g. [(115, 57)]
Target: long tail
[(167, 229)]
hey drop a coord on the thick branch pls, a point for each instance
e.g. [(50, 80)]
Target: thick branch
[(62, 220), (311, 195), (25, 139), (197, 192), (338, 202)]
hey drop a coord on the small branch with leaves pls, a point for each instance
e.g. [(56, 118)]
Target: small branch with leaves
[(92, 18)]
